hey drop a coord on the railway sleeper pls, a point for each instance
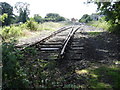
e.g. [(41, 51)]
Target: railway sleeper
[(76, 51), (49, 49), (50, 46), (77, 48)]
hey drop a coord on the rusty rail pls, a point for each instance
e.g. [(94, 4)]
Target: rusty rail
[(67, 40)]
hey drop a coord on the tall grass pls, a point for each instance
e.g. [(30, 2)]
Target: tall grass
[(100, 24), (50, 26), (20, 31), (113, 28)]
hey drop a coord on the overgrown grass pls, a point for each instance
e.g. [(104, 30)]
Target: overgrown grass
[(50, 26), (24, 30), (100, 24), (113, 28)]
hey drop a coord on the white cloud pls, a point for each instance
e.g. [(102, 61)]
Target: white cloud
[(66, 8)]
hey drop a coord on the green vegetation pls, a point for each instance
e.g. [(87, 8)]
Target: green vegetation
[(94, 33), (14, 26), (23, 10), (13, 31), (105, 77), (112, 12), (54, 17), (85, 18), (32, 25), (6, 8), (21, 71), (51, 26), (38, 18), (3, 17), (24, 69), (13, 74), (100, 24)]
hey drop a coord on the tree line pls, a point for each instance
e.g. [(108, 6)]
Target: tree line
[(8, 17)]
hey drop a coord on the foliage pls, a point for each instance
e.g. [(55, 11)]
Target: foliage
[(11, 31), (38, 18), (40, 73), (8, 9), (13, 74), (100, 24), (32, 25), (60, 19), (112, 12), (54, 17), (3, 17), (23, 10), (85, 18)]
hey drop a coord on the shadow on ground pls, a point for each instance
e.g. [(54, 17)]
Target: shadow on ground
[(100, 63)]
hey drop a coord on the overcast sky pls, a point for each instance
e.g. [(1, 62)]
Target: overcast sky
[(66, 8)]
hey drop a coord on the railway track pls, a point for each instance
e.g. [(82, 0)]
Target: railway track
[(55, 46), (76, 48)]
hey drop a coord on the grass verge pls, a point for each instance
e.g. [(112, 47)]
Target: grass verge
[(25, 30)]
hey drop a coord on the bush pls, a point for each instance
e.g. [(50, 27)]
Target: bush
[(13, 75), (11, 31), (32, 25), (115, 28), (23, 26)]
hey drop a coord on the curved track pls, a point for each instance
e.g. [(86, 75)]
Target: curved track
[(55, 46)]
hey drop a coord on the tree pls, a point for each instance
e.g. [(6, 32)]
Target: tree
[(8, 9), (60, 19), (23, 10), (38, 18), (54, 17), (85, 18), (112, 12)]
